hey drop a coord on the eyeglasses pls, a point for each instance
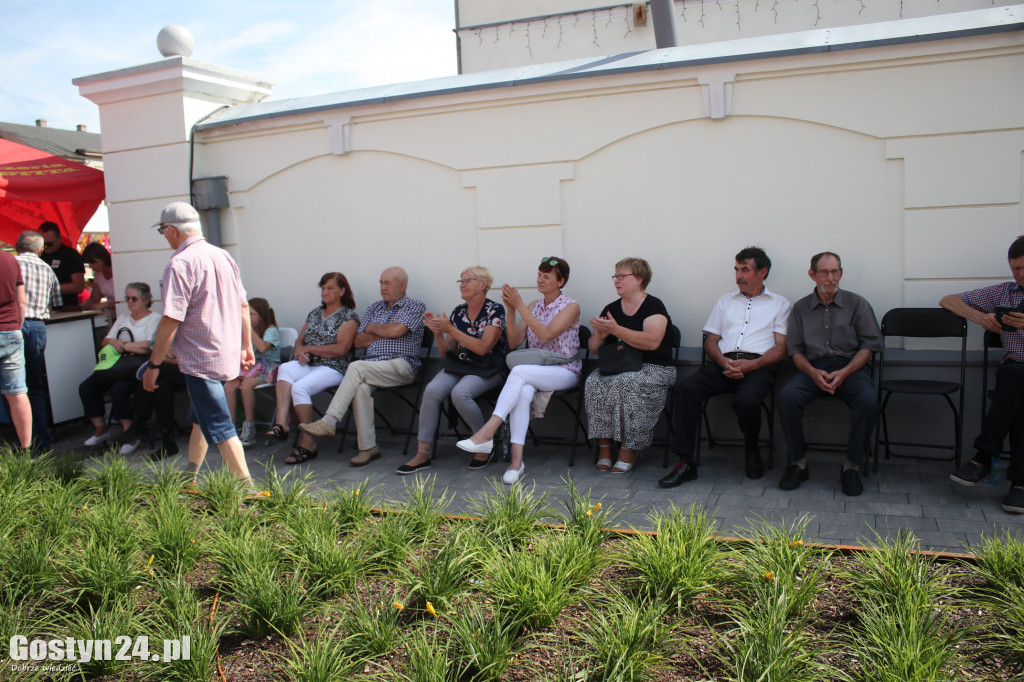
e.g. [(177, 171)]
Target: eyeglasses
[(619, 278), (51, 244), (131, 299), (465, 282), (162, 228), (834, 273)]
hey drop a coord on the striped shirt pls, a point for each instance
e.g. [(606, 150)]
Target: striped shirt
[(41, 286), (202, 289), (409, 312)]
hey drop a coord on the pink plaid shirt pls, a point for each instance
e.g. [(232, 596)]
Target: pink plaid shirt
[(202, 289)]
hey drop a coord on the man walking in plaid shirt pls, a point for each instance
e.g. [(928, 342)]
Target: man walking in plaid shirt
[(206, 316), (391, 333), (42, 292)]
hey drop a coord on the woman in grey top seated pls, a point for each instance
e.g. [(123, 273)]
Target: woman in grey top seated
[(474, 330), (624, 407), (319, 360)]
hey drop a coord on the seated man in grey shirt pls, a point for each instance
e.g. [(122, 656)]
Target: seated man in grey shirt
[(832, 337)]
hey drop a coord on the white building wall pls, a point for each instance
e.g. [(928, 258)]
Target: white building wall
[(904, 159), (497, 34)]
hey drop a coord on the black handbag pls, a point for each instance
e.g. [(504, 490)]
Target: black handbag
[(619, 357), (463, 362)]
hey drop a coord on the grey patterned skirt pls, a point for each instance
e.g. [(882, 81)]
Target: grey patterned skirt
[(625, 407)]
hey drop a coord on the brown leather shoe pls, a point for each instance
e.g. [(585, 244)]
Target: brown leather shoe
[(318, 429), (365, 457)]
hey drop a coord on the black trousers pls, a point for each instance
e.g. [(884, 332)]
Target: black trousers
[(169, 379), (1005, 417), (710, 380)]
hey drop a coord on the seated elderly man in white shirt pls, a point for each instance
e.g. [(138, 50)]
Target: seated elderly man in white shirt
[(745, 340)]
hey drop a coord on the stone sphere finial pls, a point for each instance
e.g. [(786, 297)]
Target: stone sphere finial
[(175, 41)]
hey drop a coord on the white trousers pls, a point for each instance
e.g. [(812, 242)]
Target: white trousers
[(307, 380), (517, 394)]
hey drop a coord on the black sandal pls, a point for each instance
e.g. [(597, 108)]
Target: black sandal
[(301, 455), (277, 431)]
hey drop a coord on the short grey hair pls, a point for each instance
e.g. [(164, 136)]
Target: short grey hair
[(481, 273), (144, 292), (29, 241), (189, 229)]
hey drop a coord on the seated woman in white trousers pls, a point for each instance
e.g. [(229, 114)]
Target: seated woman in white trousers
[(552, 323)]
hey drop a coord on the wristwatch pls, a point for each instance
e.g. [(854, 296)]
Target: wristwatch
[(152, 366)]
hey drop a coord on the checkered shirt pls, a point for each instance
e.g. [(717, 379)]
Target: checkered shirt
[(409, 312), (986, 299), (202, 289), (41, 286)]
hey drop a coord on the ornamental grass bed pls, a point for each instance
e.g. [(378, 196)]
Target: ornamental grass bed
[(292, 585)]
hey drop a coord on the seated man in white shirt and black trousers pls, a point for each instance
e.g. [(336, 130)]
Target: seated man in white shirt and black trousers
[(746, 339)]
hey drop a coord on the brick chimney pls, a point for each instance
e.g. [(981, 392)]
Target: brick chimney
[(40, 122)]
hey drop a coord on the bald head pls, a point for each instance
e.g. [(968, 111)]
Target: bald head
[(393, 282)]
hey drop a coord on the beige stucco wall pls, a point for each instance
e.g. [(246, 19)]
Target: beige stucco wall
[(904, 159), (494, 34)]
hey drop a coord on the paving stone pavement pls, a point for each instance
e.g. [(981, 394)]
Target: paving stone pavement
[(903, 494)]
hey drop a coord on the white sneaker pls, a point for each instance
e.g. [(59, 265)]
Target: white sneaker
[(513, 475), (129, 448), (248, 435), (98, 440)]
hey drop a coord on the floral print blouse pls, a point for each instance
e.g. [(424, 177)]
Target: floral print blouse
[(491, 314), (324, 332), (567, 343)]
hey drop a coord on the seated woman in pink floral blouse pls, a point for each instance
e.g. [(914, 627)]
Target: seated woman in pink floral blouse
[(552, 323)]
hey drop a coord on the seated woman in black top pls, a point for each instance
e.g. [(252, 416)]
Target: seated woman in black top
[(624, 407)]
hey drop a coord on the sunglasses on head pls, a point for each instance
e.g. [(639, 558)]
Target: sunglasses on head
[(550, 260)]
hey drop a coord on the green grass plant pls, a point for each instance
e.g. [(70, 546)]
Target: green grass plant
[(424, 508), (29, 569), (511, 513), (388, 543), (64, 468), (439, 577), (374, 625), (204, 639), (905, 631), (56, 509), (100, 570), (109, 619), (351, 507), (269, 596), (765, 644), (288, 493), (482, 643), (780, 561), (1000, 560), (224, 493), (680, 562), (332, 565), (322, 657), (428, 659), (626, 641), (592, 520), (172, 537), (530, 588), (115, 480)]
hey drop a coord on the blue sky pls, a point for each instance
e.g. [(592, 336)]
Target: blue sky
[(306, 47)]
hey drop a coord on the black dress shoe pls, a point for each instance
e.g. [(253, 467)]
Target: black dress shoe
[(850, 481), (683, 472), (407, 469), (755, 469), (793, 477)]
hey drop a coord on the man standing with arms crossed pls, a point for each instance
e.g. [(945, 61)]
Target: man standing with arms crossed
[(206, 317)]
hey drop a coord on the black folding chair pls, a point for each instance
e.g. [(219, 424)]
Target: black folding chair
[(989, 341), (921, 323)]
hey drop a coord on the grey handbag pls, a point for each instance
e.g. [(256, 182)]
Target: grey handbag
[(535, 356)]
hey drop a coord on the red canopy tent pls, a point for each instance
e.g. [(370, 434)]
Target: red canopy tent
[(36, 186)]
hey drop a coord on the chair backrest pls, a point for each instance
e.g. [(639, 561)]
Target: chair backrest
[(289, 335), (675, 339), (992, 340), (923, 323)]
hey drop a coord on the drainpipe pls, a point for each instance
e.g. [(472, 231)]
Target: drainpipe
[(664, 23), (211, 195)]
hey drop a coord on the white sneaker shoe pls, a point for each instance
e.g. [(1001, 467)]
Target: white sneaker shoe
[(513, 475), (129, 448), (98, 440), (248, 435)]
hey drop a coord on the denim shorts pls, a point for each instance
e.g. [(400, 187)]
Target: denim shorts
[(209, 409), (12, 363)]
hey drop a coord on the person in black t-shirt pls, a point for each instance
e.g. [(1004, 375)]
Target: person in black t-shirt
[(624, 407), (66, 264)]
